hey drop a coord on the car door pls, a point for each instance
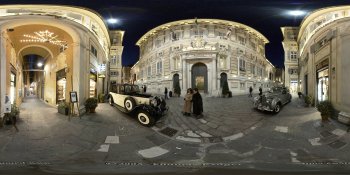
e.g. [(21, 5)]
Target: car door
[(284, 96)]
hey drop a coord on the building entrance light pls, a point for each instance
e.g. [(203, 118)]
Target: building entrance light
[(40, 64)]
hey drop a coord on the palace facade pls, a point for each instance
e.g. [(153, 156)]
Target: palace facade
[(203, 53)]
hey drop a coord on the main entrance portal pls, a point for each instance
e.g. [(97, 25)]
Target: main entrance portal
[(200, 77)]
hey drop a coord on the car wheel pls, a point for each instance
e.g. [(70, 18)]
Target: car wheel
[(277, 108), (145, 119), (129, 104), (111, 101)]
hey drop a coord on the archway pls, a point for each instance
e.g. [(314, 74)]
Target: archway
[(223, 78), (200, 77)]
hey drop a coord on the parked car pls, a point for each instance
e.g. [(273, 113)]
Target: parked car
[(128, 98), (273, 100)]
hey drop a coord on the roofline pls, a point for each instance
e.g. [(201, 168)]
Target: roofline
[(314, 14), (191, 21)]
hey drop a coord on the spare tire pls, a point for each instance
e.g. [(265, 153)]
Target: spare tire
[(129, 104)]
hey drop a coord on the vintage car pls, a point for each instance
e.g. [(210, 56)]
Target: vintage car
[(147, 108), (273, 100)]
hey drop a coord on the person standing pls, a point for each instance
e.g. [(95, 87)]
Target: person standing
[(260, 90), (166, 93), (197, 103), (250, 91), (188, 102)]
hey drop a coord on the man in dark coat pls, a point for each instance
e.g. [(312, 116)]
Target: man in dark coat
[(197, 103), (166, 93), (260, 90)]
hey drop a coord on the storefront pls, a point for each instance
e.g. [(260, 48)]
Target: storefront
[(322, 80), (93, 81), (61, 85), (12, 87)]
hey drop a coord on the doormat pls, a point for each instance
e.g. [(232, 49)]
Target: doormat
[(337, 144), (168, 131)]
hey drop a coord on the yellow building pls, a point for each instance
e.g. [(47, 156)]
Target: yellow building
[(72, 43), (323, 56)]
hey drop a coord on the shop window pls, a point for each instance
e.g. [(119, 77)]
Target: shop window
[(61, 85), (12, 88), (93, 80)]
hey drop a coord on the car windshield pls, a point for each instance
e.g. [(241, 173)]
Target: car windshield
[(136, 88), (275, 89)]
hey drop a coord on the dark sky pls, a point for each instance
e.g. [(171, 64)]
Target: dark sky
[(139, 16)]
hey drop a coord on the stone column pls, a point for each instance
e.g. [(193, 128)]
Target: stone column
[(2, 73), (214, 72), (79, 73)]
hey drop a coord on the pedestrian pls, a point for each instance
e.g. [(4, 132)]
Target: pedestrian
[(144, 89), (188, 102), (166, 93), (250, 91), (260, 90), (197, 103)]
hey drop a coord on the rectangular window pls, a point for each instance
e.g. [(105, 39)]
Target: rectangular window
[(149, 71), (293, 55), (93, 51), (159, 67), (241, 40), (252, 69), (242, 85), (241, 65), (114, 59)]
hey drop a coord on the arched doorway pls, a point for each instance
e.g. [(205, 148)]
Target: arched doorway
[(200, 77), (176, 82), (223, 78)]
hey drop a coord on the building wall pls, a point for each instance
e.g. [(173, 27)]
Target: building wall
[(177, 46), (77, 60), (323, 42), (116, 53)]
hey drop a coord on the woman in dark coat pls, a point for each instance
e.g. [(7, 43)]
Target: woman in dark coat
[(197, 102)]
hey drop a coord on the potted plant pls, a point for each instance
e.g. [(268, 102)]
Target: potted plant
[(225, 90), (307, 100), (326, 109), (12, 116), (91, 104), (177, 89), (101, 98), (63, 108)]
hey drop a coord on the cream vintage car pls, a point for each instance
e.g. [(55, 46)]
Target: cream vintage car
[(147, 108), (273, 100)]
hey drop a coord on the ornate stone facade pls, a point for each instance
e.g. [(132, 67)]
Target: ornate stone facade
[(203, 53)]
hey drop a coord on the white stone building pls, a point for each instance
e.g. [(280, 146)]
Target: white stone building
[(290, 47), (116, 52), (203, 53), (323, 43)]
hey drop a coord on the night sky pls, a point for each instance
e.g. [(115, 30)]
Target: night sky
[(139, 16)]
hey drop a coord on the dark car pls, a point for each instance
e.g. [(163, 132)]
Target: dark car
[(147, 108), (273, 100)]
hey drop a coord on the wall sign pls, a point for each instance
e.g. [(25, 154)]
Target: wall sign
[(73, 97)]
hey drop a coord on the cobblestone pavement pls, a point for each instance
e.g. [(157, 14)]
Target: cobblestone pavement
[(110, 141), (223, 119)]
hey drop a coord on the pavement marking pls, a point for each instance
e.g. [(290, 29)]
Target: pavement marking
[(155, 128), (339, 132), (293, 158), (104, 148), (253, 128), (204, 134), (153, 152), (203, 121), (315, 141), (112, 139), (190, 133), (188, 139), (281, 129), (233, 137)]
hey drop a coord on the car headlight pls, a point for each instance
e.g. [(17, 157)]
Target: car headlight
[(256, 98), (268, 100)]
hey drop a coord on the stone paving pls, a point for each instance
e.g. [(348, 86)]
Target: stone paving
[(222, 119), (111, 141)]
